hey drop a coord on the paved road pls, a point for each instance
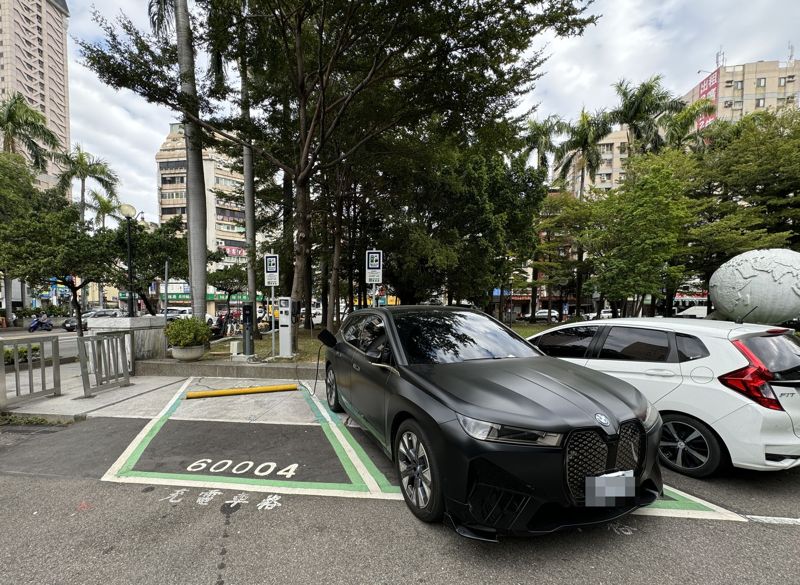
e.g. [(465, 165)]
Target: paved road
[(63, 525), (67, 341)]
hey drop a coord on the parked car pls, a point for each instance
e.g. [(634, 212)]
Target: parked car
[(173, 313), (604, 314), (542, 315), (482, 427), (71, 323), (727, 392)]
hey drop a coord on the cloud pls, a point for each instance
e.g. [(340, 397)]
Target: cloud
[(635, 39)]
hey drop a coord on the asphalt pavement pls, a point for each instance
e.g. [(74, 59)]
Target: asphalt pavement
[(67, 341), (159, 489)]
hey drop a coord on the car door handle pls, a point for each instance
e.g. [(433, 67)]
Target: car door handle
[(356, 367), (660, 373)]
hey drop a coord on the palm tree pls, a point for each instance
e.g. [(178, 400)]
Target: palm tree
[(541, 138), (81, 165), (581, 145), (24, 127), (680, 129), (104, 206), (162, 15), (640, 108)]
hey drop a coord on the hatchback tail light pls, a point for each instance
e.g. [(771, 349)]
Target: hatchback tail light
[(752, 380)]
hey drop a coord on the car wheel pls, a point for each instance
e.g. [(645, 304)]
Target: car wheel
[(689, 447), (418, 472), (332, 391)]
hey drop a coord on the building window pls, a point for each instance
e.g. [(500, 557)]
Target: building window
[(781, 81), (761, 82), (759, 102), (173, 195), (172, 210), (173, 180), (737, 104), (172, 165), (739, 85), (228, 182)]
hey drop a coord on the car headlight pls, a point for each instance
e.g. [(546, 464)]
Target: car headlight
[(651, 417), (486, 431)]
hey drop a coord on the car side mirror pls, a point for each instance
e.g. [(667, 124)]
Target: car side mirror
[(327, 338)]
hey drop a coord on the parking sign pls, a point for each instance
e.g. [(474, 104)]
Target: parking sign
[(271, 277), (374, 266)]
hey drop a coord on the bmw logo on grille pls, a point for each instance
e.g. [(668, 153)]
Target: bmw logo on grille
[(602, 419)]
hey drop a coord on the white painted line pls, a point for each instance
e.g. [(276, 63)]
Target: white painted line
[(689, 514), (369, 481), (111, 474), (775, 520), (244, 420), (247, 487)]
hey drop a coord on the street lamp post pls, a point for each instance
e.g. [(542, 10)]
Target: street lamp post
[(129, 212)]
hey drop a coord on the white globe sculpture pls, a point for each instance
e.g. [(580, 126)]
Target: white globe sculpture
[(760, 286)]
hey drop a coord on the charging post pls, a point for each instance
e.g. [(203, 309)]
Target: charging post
[(271, 279)]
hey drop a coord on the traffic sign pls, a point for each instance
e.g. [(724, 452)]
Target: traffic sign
[(271, 264), (374, 266)]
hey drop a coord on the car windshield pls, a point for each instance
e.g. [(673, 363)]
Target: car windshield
[(440, 337), (780, 353)]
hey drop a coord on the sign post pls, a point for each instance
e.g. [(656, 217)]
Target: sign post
[(374, 272), (272, 279)]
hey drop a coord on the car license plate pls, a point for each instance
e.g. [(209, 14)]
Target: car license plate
[(610, 489)]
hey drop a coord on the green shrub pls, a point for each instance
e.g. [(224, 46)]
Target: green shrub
[(22, 352), (187, 332)]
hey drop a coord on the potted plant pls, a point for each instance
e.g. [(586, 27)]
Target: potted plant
[(188, 338)]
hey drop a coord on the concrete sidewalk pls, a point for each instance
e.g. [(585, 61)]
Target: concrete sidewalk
[(149, 394)]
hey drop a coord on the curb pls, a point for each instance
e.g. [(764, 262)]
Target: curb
[(214, 369), (51, 418)]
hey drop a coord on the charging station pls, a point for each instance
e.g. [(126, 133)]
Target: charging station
[(285, 326)]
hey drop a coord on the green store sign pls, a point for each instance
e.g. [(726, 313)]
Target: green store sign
[(123, 296)]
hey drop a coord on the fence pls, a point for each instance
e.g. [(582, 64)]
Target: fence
[(103, 357), (25, 355)]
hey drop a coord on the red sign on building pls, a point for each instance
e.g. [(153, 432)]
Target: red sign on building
[(708, 90)]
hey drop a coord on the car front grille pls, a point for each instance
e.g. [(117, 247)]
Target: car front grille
[(630, 446), (589, 453)]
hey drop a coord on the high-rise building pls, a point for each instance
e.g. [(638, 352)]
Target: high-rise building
[(224, 217), (611, 172), (33, 61), (737, 90)]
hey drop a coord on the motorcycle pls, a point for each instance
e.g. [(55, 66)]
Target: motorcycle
[(37, 323)]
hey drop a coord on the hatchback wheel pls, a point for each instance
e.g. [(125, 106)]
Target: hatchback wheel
[(332, 391), (418, 472), (688, 446)]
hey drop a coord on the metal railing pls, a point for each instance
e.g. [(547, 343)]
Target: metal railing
[(26, 355), (104, 358)]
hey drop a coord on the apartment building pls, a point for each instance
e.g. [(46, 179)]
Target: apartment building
[(737, 90), (33, 62), (613, 154), (224, 218)]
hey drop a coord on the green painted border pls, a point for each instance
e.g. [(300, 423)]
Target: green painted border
[(356, 485), (377, 474), (678, 502)]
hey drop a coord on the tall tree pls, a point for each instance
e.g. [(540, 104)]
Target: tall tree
[(25, 128), (582, 147), (83, 166), (541, 138), (104, 206), (164, 14), (640, 108)]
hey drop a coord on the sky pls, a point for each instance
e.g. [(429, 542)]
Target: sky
[(633, 39)]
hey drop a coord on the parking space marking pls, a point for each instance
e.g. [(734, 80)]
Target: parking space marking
[(774, 520), (683, 505), (367, 481)]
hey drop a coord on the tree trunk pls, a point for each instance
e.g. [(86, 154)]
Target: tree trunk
[(23, 294), (301, 243), (333, 305), (76, 305), (148, 305), (195, 181), (287, 271), (7, 295), (308, 290), (249, 188)]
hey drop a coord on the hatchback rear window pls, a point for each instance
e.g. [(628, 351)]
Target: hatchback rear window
[(780, 353)]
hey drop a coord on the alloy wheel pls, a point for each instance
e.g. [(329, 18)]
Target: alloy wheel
[(683, 445), (331, 391), (415, 470)]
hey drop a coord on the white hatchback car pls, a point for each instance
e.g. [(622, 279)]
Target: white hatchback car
[(727, 392)]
